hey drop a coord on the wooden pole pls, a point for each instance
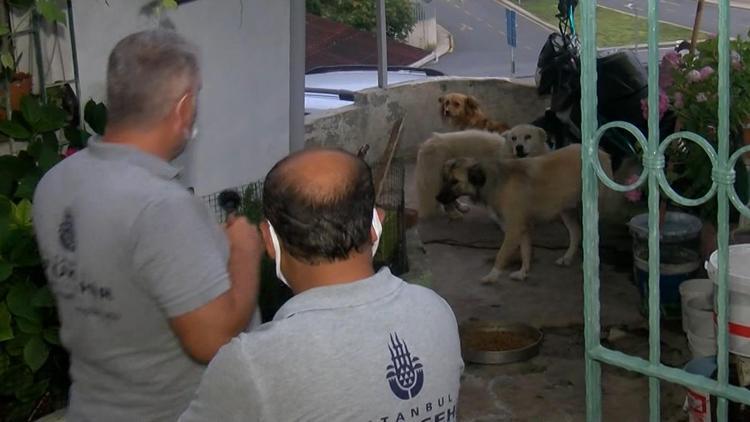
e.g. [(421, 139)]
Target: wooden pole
[(696, 25)]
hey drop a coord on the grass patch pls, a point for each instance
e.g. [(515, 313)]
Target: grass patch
[(613, 28)]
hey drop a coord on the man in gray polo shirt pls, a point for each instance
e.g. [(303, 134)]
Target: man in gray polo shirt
[(148, 287), (351, 345)]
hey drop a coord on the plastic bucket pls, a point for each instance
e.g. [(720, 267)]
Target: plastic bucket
[(700, 317), (678, 265), (738, 285), (697, 287), (677, 227), (701, 346), (698, 403)]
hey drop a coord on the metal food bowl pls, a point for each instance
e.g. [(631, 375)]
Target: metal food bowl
[(478, 328)]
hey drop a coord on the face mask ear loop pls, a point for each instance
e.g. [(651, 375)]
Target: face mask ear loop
[(277, 251), (378, 230)]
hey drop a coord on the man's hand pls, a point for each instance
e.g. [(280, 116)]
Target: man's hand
[(244, 237), (204, 330)]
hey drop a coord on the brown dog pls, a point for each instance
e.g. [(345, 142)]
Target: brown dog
[(464, 112), (522, 192)]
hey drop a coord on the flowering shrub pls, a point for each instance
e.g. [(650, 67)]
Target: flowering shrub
[(688, 86)]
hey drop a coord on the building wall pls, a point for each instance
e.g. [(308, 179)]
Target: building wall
[(244, 105)]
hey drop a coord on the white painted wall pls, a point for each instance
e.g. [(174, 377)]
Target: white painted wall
[(244, 106)]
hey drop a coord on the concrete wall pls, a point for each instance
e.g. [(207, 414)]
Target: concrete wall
[(244, 108), (370, 119)]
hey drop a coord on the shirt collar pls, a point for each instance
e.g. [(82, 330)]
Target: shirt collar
[(381, 284), (113, 151)]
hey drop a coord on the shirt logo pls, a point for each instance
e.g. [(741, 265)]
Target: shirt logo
[(405, 374), (66, 232)]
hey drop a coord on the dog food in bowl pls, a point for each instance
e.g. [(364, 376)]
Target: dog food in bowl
[(498, 341), (492, 342)]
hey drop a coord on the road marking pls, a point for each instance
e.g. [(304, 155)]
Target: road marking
[(501, 32), (467, 12), (456, 5), (490, 25), (479, 19), (671, 2), (465, 27)]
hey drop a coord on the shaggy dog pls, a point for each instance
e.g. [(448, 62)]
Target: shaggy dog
[(463, 112), (522, 192), (530, 141)]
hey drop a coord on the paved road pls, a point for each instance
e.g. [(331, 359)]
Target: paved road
[(682, 12), (480, 49)]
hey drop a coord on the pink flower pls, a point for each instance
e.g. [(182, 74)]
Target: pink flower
[(701, 97), (706, 72), (693, 76), (663, 105), (70, 151), (635, 194), (669, 63), (673, 58), (678, 101)]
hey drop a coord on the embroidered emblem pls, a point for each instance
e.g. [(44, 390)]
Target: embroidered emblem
[(405, 375)]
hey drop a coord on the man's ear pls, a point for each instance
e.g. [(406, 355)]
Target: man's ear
[(265, 233), (185, 109)]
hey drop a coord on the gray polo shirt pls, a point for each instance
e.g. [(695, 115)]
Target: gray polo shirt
[(125, 248), (378, 349)]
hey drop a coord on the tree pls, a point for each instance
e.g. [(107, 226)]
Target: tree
[(360, 14)]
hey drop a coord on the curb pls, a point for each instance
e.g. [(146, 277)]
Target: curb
[(445, 46), (526, 14), (739, 5)]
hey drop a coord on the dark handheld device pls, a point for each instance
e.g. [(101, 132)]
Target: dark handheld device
[(229, 201)]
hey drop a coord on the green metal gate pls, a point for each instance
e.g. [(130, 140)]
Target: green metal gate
[(654, 178)]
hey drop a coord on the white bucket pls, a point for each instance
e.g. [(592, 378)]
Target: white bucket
[(700, 317), (738, 286), (698, 287), (701, 346)]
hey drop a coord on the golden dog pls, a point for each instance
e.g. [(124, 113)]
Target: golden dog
[(522, 192), (463, 111), (530, 141)]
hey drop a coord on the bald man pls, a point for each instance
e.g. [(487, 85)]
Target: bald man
[(351, 344)]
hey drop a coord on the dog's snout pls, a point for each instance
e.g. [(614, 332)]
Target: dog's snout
[(445, 196), (520, 151)]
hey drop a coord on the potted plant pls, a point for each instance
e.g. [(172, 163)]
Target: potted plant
[(689, 88)]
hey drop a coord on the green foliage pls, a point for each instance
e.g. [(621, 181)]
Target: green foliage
[(360, 14)]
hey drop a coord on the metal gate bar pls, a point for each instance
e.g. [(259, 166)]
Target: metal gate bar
[(653, 174)]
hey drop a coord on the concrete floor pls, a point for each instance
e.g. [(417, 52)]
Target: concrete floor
[(549, 387)]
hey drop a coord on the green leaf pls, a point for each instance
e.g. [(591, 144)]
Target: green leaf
[(28, 326), (22, 213), (49, 154), (77, 138), (14, 130), (35, 353), (43, 298), (33, 392), (95, 115), (25, 253), (6, 269), (6, 330), (169, 4), (17, 376), (27, 186), (52, 335), (6, 59), (49, 10), (52, 118), (31, 109), (19, 301), (4, 363)]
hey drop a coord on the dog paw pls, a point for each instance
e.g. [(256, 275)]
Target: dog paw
[(492, 277), (519, 275), (564, 261)]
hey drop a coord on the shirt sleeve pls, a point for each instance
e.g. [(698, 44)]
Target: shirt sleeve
[(228, 391), (177, 255)]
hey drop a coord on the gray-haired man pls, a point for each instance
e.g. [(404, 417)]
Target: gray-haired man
[(148, 287)]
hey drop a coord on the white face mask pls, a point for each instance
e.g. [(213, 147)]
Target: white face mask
[(277, 246)]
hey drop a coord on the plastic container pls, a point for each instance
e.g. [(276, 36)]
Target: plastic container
[(701, 346), (698, 403), (699, 314), (697, 287), (738, 285), (677, 266)]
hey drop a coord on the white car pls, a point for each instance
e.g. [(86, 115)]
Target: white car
[(332, 87)]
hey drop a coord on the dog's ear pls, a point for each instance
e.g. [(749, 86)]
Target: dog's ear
[(542, 133), (471, 103), (476, 175)]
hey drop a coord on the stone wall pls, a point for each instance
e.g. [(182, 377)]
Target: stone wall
[(371, 118)]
